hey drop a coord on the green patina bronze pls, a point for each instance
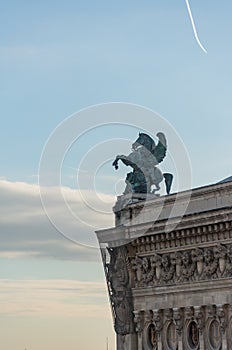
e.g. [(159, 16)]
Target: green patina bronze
[(144, 158)]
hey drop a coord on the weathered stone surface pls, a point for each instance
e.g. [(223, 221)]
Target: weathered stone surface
[(179, 281)]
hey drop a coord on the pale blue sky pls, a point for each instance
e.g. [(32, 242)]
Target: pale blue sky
[(58, 57)]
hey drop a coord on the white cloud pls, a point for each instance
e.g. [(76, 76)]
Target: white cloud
[(25, 229)]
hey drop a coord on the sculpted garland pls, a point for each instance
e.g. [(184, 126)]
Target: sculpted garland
[(192, 265)]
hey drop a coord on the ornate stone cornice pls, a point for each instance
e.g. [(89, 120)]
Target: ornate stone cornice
[(193, 235), (189, 226)]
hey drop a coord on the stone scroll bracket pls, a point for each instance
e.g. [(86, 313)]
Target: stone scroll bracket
[(119, 287)]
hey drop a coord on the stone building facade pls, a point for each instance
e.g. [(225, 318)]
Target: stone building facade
[(170, 279)]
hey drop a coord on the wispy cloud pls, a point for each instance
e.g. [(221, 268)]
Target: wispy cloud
[(53, 297)]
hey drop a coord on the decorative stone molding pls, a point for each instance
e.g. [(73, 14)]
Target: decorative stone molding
[(185, 237), (120, 290), (170, 284), (139, 321), (213, 334), (222, 316), (158, 320), (200, 317), (191, 335), (186, 324), (199, 264), (179, 319), (169, 336), (229, 329), (189, 313), (150, 336)]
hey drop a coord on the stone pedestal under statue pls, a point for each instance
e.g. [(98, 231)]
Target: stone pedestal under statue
[(169, 276)]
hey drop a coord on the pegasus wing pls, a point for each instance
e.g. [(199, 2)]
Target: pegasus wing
[(160, 150)]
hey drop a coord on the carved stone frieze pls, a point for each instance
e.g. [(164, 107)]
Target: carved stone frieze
[(206, 263)]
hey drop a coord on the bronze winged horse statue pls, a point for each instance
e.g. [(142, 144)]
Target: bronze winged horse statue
[(144, 158)]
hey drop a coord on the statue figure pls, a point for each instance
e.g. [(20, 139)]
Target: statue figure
[(144, 158)]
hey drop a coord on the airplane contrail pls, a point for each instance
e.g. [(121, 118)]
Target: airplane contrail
[(194, 27)]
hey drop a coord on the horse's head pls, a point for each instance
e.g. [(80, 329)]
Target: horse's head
[(144, 140)]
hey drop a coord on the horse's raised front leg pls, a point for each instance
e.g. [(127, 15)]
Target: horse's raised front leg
[(115, 162)]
